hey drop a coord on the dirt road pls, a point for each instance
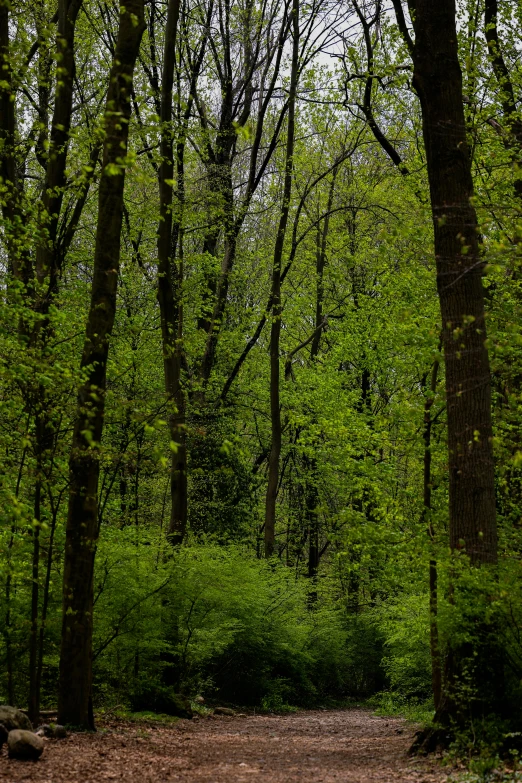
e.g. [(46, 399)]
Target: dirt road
[(349, 746)]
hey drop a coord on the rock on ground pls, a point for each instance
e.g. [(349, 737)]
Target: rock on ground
[(12, 718), (24, 745), (52, 730), (3, 734)]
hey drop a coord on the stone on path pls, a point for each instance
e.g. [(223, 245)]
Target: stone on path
[(24, 745), (51, 730), (14, 719), (3, 734)]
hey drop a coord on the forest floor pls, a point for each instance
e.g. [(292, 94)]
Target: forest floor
[(345, 746)]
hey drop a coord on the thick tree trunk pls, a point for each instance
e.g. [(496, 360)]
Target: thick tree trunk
[(275, 333), (508, 376), (438, 82), (74, 697), (472, 514)]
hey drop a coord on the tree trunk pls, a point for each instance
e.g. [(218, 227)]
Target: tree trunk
[(513, 140), (311, 489), (74, 697), (35, 332), (436, 669), (438, 82), (45, 606), (17, 242), (275, 333), (236, 113), (170, 284), (437, 79), (47, 266), (34, 695)]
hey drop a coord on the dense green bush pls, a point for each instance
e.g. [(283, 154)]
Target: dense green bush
[(404, 624), (228, 625)]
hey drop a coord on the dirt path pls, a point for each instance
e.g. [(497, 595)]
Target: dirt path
[(315, 747)]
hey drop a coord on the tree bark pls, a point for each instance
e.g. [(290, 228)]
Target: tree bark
[(47, 267), (170, 283), (47, 256), (436, 667), (437, 80), (19, 261), (74, 697), (311, 488), (275, 333), (34, 695), (45, 604)]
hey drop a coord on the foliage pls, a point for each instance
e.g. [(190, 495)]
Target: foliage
[(234, 627), (211, 617)]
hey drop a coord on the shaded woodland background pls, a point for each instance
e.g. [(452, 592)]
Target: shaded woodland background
[(259, 428)]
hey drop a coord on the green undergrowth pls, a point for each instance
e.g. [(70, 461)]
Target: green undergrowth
[(487, 771), (274, 704), (158, 718), (235, 629), (389, 704)]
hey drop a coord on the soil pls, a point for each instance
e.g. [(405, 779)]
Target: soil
[(345, 746)]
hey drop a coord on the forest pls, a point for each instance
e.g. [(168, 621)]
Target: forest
[(260, 359)]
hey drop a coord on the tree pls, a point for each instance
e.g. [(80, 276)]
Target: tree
[(275, 296), (251, 225), (472, 512), (74, 699), (169, 293)]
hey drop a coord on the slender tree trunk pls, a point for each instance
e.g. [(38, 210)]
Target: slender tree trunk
[(170, 283), (513, 139), (17, 242), (170, 266), (275, 333), (311, 489), (47, 255), (312, 501), (436, 667), (34, 696), (45, 606), (221, 159), (8, 585), (74, 697), (7, 629), (8, 644)]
